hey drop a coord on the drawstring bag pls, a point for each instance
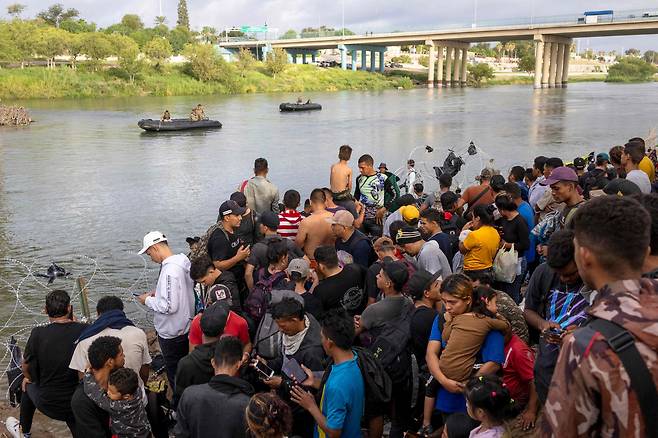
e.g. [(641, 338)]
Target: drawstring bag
[(505, 264)]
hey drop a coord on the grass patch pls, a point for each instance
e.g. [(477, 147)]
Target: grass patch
[(63, 82)]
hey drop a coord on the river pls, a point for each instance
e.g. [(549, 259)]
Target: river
[(83, 184)]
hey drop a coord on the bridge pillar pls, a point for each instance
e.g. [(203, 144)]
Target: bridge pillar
[(372, 62), (539, 57), (546, 64), (560, 65), (353, 60), (382, 61), (313, 57), (456, 75), (304, 58), (553, 69), (464, 66), (364, 54), (449, 51), (565, 65), (430, 66), (439, 67), (343, 56)]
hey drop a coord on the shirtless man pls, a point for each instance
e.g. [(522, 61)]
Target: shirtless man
[(315, 230), (340, 180)]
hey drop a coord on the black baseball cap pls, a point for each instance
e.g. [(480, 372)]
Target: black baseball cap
[(397, 272), (270, 220), (240, 198), (579, 163), (213, 319), (420, 281), (231, 207)]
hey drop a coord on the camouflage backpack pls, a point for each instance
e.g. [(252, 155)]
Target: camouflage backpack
[(200, 249)]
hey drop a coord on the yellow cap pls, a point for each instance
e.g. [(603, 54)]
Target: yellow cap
[(409, 213)]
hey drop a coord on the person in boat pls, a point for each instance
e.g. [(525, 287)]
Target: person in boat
[(308, 101), (166, 117), (194, 115), (200, 112), (299, 100)]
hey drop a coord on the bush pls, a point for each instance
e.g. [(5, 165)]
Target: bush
[(479, 72), (402, 59), (204, 61), (631, 69), (158, 50), (424, 61)]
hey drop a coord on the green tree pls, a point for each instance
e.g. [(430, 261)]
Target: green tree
[(480, 72), (631, 69), (160, 20), (8, 50), (97, 47), (55, 14), (183, 17), (127, 52), (158, 50), (77, 26), (15, 10), (650, 56), (483, 49), (178, 38), (52, 42), (289, 35), (276, 62), (132, 22), (402, 59), (205, 63), (632, 52), (424, 61), (24, 37), (527, 63), (209, 34), (245, 61), (75, 48)]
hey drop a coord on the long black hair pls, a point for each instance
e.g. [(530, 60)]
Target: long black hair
[(489, 394), (481, 295)]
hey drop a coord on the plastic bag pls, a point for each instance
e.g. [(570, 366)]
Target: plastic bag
[(505, 264)]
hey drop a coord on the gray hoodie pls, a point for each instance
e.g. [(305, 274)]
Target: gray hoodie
[(173, 302)]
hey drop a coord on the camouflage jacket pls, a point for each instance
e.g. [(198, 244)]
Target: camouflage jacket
[(590, 392), (512, 313)]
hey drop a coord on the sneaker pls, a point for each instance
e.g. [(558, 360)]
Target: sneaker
[(13, 427), (425, 431)]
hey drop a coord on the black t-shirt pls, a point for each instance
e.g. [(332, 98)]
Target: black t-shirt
[(312, 305), (247, 231), (371, 280), (223, 245), (360, 247), (345, 289), (48, 352), (90, 420), (516, 232), (422, 320)]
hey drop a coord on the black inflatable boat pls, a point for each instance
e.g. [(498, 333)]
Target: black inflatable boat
[(177, 124), (288, 107)]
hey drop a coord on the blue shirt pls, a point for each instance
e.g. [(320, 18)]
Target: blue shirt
[(524, 190), (525, 210), (493, 350), (445, 244), (343, 400)]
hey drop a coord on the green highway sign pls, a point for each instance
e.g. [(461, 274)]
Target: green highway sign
[(251, 29)]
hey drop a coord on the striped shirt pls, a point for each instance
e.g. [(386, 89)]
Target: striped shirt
[(289, 223)]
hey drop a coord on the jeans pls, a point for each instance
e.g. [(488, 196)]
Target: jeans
[(173, 350), (31, 401)]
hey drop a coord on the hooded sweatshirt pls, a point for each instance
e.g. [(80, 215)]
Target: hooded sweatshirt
[(173, 302), (194, 369), (214, 409), (591, 393)]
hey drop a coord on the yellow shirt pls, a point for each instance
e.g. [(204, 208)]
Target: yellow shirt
[(482, 245), (646, 166)]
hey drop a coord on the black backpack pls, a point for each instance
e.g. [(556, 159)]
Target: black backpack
[(392, 346)]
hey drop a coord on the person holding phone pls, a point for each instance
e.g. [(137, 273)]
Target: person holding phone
[(301, 349)]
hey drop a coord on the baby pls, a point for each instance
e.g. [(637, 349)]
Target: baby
[(123, 402)]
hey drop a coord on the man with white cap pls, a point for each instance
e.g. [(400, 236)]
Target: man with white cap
[(172, 302), (351, 240)]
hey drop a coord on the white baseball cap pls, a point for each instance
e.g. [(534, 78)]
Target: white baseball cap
[(151, 239)]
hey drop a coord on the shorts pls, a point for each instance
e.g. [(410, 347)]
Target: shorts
[(432, 387)]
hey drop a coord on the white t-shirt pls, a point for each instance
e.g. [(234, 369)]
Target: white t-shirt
[(134, 344), (641, 179)]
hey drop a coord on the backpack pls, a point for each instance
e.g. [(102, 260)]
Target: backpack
[(201, 248), (267, 342), (259, 298), (377, 384), (411, 270), (392, 347)]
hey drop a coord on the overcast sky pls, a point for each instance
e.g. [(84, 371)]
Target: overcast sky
[(360, 15)]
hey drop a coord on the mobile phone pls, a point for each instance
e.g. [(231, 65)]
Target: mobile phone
[(555, 331), (265, 371), (294, 371), (136, 294)]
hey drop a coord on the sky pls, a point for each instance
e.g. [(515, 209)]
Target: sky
[(360, 15)]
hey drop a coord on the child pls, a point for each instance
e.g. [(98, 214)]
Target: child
[(123, 402), (488, 402), (468, 332)]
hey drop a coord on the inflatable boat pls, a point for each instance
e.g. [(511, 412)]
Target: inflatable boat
[(177, 124)]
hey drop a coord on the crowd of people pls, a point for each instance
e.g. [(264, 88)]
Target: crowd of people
[(526, 304)]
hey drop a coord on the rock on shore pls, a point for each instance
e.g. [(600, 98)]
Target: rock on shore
[(14, 116)]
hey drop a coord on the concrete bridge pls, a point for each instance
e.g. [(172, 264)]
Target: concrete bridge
[(448, 47)]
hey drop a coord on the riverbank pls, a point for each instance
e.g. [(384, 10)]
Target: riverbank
[(63, 82), (420, 77)]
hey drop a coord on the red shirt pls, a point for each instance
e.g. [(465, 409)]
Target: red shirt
[(235, 326), (518, 369)]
